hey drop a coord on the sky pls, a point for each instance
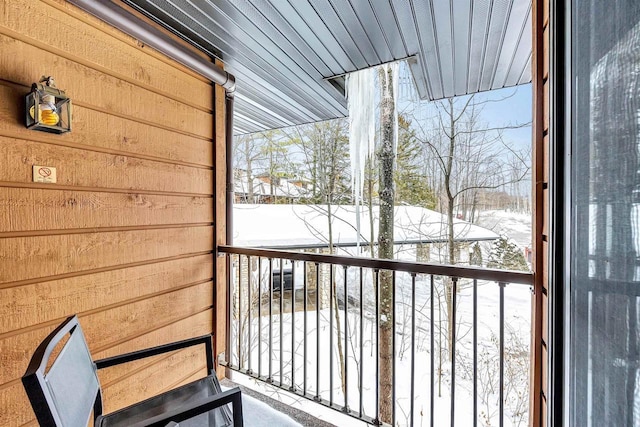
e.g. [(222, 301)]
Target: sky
[(514, 109)]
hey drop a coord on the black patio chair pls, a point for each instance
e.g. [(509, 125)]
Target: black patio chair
[(68, 392)]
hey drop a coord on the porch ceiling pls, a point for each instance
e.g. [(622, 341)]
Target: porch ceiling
[(289, 56)]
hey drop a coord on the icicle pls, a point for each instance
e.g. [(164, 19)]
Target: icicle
[(361, 97), (361, 100)]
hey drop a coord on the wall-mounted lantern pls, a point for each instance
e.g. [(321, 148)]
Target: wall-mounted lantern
[(48, 108)]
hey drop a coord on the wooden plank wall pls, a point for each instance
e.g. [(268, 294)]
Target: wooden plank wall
[(125, 237), (541, 55)]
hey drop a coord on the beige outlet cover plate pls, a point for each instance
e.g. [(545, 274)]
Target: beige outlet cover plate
[(44, 174)]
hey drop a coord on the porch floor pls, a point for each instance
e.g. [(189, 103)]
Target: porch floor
[(296, 415)]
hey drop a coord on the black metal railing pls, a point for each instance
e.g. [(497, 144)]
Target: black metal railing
[(342, 320)]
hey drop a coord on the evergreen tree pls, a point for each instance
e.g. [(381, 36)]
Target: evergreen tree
[(410, 182), (506, 255)]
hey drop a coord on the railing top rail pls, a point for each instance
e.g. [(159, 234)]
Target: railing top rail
[(494, 275)]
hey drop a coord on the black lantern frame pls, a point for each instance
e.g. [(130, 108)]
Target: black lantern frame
[(46, 96)]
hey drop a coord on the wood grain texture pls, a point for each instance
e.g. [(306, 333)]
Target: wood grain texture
[(154, 379), (80, 168), (545, 154), (15, 409), (221, 224), (545, 107), (545, 320), (52, 30), (76, 13), (201, 373), (25, 209), (545, 266), (110, 327), (545, 373), (95, 130), (195, 325), (545, 207), (125, 238), (540, 176), (21, 306), (545, 59), (22, 63), (14, 406), (58, 254)]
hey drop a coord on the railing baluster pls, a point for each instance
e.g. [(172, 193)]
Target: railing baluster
[(304, 339), (228, 302), (393, 348), (259, 317), (239, 311), (280, 325), (361, 377), (454, 301), (377, 292), (331, 278), (293, 326), (317, 397), (432, 355), (346, 344), (475, 353), (249, 307), (270, 378), (413, 346), (501, 408)]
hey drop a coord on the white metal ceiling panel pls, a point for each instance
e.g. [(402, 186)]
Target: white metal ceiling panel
[(289, 56)]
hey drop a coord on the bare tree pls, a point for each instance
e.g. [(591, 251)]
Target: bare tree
[(246, 152), (386, 164), (276, 160), (325, 149), (469, 156)]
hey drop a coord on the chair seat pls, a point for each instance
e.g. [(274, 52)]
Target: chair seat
[(169, 401)]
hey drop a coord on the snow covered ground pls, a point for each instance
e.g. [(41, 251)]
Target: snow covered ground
[(515, 225), (288, 348)]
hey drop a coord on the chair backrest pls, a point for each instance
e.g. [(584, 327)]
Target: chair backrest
[(63, 393)]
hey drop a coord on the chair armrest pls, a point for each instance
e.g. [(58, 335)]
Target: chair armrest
[(165, 348), (201, 406)]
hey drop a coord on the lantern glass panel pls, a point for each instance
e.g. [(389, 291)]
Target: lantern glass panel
[(48, 110)]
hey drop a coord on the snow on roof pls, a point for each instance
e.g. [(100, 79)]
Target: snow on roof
[(292, 226)]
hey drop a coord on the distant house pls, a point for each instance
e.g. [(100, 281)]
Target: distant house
[(286, 226), (263, 189)]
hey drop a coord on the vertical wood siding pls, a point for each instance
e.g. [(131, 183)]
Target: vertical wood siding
[(125, 238), (541, 54)]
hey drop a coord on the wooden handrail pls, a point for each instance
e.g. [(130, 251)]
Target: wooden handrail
[(489, 274)]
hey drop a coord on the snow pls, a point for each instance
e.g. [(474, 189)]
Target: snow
[(258, 414), (284, 224), (307, 225), (516, 225), (517, 324)]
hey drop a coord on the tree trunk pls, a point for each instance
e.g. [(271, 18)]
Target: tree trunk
[(448, 295), (371, 225), (249, 173), (385, 243), (336, 312)]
